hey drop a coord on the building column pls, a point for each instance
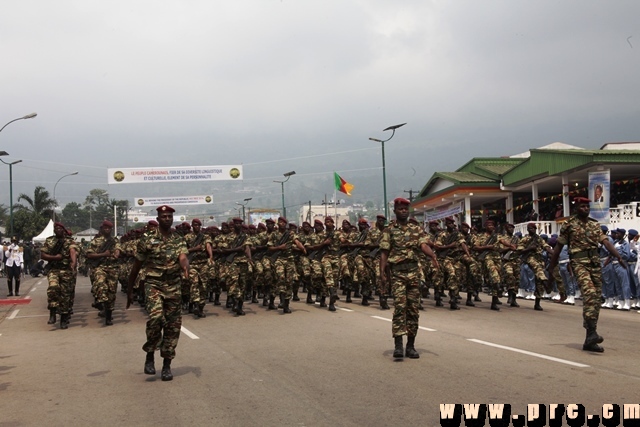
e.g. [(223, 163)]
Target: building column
[(566, 203), (509, 206), (467, 210), (534, 196)]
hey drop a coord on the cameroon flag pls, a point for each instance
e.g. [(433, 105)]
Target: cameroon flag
[(342, 185)]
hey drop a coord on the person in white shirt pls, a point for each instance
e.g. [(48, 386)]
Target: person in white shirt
[(13, 264)]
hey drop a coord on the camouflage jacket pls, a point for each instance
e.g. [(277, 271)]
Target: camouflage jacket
[(48, 248), (159, 255), (402, 242)]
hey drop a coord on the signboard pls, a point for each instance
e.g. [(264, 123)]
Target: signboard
[(436, 215), (599, 187), (140, 219), (173, 201), (173, 174)]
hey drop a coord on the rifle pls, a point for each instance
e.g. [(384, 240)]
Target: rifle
[(507, 255), (361, 238), (56, 250), (196, 242), (492, 241), (282, 241), (531, 247), (451, 237), (236, 244), (106, 246)]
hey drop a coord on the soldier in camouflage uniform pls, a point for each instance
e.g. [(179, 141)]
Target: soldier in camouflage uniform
[(362, 262), (449, 245), (163, 253), (375, 234), (583, 234), (200, 257), (317, 285), (530, 248), (487, 246), (103, 255), (302, 260), (60, 252), (399, 266), (280, 246), (238, 265), (438, 279), (511, 265)]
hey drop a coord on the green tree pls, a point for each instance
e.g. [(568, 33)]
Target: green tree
[(75, 217), (96, 204), (27, 225), (40, 204)]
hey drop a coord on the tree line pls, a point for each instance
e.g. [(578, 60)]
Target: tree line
[(32, 212)]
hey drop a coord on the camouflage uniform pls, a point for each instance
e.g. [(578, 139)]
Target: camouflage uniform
[(491, 261), (238, 269), (331, 263), (198, 267), (534, 260), (104, 271), (284, 267), (402, 243), (511, 266), (62, 280), (159, 256)]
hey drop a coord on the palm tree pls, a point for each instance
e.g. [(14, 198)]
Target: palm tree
[(40, 204)]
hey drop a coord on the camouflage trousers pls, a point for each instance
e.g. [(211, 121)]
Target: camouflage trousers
[(511, 269), (449, 266), (557, 278), (433, 276), (267, 278), (331, 272), (345, 271), (238, 278), (317, 279), (363, 273), (492, 271), (537, 266), (105, 286), (405, 288), (164, 306), (471, 272), (62, 284), (588, 274), (285, 270), (198, 282)]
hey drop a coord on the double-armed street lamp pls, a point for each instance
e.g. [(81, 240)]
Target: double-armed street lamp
[(244, 218), (53, 216), (10, 191), (287, 175), (384, 172)]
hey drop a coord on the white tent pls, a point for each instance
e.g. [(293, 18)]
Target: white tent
[(47, 232)]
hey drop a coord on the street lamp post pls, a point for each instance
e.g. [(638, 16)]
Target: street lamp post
[(384, 171), (28, 116), (287, 175), (10, 193), (244, 218), (53, 216)]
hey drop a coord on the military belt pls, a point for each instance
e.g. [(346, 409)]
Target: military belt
[(404, 266), (585, 254)]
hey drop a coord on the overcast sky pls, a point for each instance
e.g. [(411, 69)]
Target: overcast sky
[(301, 85)]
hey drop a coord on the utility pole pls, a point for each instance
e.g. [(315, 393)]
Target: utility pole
[(410, 191)]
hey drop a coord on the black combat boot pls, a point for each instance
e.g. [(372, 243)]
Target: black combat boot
[(332, 299), (365, 300), (192, 308), (383, 303), (592, 339), (254, 297), (211, 297), (469, 302), (398, 352), (52, 316), (296, 286), (537, 305), (514, 303), (494, 303), (356, 290), (238, 308), (265, 300), (17, 288), (149, 364), (196, 310), (323, 302), (108, 319), (438, 299), (185, 302), (201, 313), (272, 302), (348, 296), (476, 297), (453, 303), (309, 297), (411, 351), (230, 302), (64, 321), (166, 374), (285, 307), (216, 299)]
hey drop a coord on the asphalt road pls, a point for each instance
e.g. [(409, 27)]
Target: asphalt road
[(308, 368)]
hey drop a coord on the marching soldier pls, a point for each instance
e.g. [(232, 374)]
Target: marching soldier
[(530, 248), (375, 235), (399, 267), (103, 255), (583, 234), (511, 265), (239, 265), (486, 245), (60, 252), (281, 247), (200, 257)]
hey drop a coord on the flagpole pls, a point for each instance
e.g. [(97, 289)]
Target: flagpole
[(335, 204)]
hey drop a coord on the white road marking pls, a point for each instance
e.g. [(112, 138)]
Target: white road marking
[(530, 353), (189, 333), (13, 314), (419, 327), (343, 309), (33, 289)]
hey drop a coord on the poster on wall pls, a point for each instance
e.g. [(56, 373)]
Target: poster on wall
[(599, 193)]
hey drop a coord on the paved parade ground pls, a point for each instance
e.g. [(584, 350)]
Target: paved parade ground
[(308, 368)]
